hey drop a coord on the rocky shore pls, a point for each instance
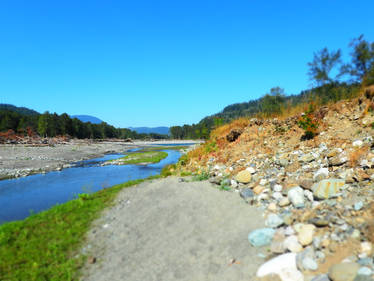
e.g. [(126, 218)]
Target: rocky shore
[(316, 196), (19, 160)]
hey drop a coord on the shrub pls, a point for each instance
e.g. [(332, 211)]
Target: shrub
[(308, 123)]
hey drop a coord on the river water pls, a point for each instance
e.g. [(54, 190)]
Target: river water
[(22, 196)]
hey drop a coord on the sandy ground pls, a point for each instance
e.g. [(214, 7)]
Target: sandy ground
[(22, 160), (171, 230)]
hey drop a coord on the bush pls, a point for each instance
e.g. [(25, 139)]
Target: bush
[(308, 123)]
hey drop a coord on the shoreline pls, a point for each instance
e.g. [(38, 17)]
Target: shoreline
[(20, 160)]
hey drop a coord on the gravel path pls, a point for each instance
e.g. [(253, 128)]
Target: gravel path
[(169, 230)]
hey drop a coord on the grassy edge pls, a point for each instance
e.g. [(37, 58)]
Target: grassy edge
[(45, 246), (149, 157)]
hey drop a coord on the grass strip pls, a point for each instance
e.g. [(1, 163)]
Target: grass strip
[(45, 246), (142, 157)]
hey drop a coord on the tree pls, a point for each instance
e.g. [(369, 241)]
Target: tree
[(362, 58), (272, 103), (322, 64), (43, 124)]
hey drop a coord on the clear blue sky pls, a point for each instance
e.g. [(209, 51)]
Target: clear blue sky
[(150, 63)]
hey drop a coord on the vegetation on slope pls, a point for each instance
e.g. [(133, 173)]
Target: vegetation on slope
[(328, 88)]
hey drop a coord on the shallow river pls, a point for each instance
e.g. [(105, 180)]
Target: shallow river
[(22, 196)]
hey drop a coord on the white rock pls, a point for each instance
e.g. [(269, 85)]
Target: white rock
[(263, 181), (277, 188), (357, 143), (251, 170), (296, 196), (309, 195), (234, 183), (284, 266), (277, 196), (367, 248), (292, 244), (321, 174), (289, 231)]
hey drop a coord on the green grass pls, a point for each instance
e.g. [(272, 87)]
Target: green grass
[(45, 246), (163, 147), (142, 157)]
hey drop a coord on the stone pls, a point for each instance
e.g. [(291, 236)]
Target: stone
[(277, 188), (284, 202), (360, 277), (337, 160), (306, 183), (364, 271), (366, 248), (305, 234), (284, 266), (261, 237), (321, 277), (251, 170), (305, 260), (321, 174), (296, 196), (272, 207), (319, 221), (309, 264), (277, 196), (277, 245), (274, 221), (258, 189), (358, 205), (283, 162), (292, 244), (306, 158), (234, 183), (246, 193), (244, 176), (327, 188), (357, 143), (343, 271)]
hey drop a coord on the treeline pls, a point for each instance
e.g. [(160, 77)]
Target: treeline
[(345, 83), (30, 122)]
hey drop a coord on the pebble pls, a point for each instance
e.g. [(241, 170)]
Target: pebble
[(296, 196), (305, 234), (284, 202), (358, 205), (321, 277), (364, 271), (274, 221), (246, 193), (292, 244), (343, 271), (328, 188), (244, 176), (261, 237)]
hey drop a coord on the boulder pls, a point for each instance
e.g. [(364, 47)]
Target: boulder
[(328, 188)]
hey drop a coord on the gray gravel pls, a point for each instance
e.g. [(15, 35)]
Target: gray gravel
[(170, 230)]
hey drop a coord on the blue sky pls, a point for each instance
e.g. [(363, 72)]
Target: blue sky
[(151, 63)]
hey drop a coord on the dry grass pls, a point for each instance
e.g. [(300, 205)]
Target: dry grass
[(223, 131)]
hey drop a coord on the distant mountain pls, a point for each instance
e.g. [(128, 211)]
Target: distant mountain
[(20, 110), (148, 130), (88, 118)]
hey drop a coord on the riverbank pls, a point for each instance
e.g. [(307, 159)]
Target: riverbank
[(21, 160), (45, 246)]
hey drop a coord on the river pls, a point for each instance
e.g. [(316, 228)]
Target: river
[(22, 196)]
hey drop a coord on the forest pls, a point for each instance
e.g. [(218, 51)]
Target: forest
[(25, 121)]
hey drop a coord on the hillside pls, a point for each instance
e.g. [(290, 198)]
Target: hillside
[(88, 118), (316, 195), (20, 110)]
